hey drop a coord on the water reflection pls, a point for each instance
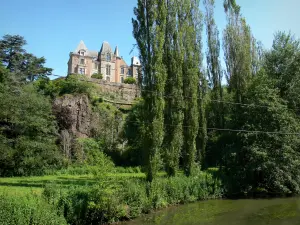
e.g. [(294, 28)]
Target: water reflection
[(228, 212)]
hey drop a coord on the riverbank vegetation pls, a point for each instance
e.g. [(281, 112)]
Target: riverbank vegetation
[(99, 162)]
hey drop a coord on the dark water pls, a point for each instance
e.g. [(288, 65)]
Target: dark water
[(228, 212)]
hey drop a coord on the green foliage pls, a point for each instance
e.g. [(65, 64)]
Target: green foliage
[(28, 210), (28, 133), (130, 80), (111, 200), (192, 29), (237, 50), (94, 156), (173, 55), (72, 84), (97, 76), (214, 65), (134, 132), (282, 65), (107, 126), (255, 161), (24, 66), (149, 32)]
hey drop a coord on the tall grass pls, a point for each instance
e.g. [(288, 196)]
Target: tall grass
[(122, 199), (28, 210)]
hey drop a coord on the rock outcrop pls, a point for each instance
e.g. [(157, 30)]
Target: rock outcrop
[(73, 114)]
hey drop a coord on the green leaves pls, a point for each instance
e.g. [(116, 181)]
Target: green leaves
[(22, 65), (29, 132)]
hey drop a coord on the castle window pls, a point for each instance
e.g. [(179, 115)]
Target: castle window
[(122, 79), (122, 70), (81, 71), (81, 53), (108, 57), (108, 68), (82, 61), (108, 79)]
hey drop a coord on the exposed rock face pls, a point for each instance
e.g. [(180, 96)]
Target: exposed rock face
[(73, 114)]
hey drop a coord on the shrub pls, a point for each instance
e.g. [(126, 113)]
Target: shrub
[(130, 80), (97, 76), (112, 200), (94, 156), (15, 210)]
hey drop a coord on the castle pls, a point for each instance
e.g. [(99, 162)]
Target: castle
[(106, 62)]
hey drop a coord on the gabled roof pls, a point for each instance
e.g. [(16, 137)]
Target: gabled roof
[(105, 48)]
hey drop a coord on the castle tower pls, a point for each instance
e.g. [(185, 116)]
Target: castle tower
[(107, 62), (82, 61), (135, 67)]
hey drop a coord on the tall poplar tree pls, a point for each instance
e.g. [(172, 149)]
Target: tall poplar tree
[(214, 70), (173, 59), (237, 49), (191, 19), (149, 32)]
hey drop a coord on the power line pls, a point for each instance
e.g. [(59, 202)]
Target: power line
[(216, 129), (185, 97), (225, 129)]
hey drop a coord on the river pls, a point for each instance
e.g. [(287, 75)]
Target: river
[(227, 212)]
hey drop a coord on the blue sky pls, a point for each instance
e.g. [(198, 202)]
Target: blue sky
[(53, 28)]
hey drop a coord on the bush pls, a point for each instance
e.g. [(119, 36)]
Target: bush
[(93, 155), (72, 84), (97, 76), (130, 80), (28, 133), (15, 210), (112, 200)]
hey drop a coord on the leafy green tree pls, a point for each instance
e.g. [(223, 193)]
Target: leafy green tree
[(264, 161), (192, 26), (173, 59), (11, 51), (28, 133), (282, 64), (231, 5), (22, 65), (214, 69), (237, 50), (149, 32)]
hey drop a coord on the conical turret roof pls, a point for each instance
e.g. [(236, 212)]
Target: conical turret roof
[(81, 46), (117, 52)]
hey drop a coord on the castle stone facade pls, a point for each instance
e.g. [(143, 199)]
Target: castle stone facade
[(106, 62)]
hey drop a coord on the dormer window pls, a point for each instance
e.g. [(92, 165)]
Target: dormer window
[(81, 53), (108, 57)]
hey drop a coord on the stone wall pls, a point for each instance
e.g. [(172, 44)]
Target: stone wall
[(119, 92)]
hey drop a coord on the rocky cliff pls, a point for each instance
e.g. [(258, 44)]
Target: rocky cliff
[(73, 114)]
